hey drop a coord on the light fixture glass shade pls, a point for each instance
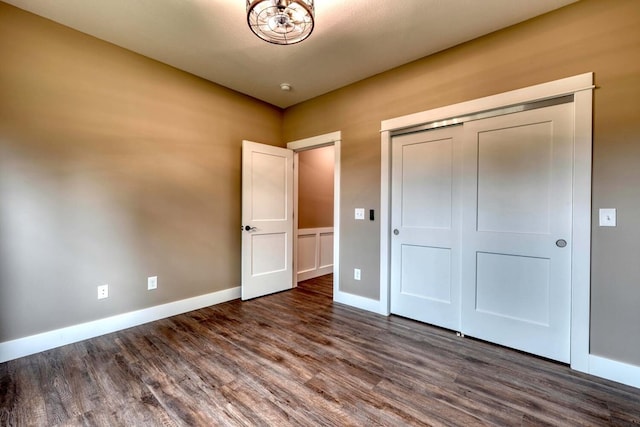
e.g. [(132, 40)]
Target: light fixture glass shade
[(281, 21)]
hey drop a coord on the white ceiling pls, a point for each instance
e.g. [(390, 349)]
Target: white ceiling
[(353, 39)]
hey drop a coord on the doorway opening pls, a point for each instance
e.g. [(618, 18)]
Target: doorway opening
[(269, 217), (314, 213), (316, 207)]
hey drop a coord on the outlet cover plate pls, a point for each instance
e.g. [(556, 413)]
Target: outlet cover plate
[(359, 213), (103, 291), (152, 282)]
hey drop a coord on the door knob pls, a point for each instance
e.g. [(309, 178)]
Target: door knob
[(249, 228), (561, 243), (396, 231)]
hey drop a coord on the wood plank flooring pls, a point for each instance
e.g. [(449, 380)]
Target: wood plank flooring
[(296, 358)]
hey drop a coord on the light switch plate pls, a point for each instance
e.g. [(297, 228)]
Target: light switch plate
[(359, 213), (607, 217)]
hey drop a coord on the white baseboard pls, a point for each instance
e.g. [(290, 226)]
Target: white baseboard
[(615, 371), (310, 274), (357, 301), (20, 347)]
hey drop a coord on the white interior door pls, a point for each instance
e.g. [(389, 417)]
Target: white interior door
[(517, 205), (425, 218), (267, 219)]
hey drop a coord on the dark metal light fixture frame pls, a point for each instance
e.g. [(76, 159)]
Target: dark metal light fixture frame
[(281, 22)]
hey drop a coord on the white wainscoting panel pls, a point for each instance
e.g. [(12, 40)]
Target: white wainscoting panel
[(315, 252)]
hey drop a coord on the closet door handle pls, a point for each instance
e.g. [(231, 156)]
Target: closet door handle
[(396, 231)]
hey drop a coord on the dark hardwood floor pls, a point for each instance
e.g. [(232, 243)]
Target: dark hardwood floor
[(295, 358)]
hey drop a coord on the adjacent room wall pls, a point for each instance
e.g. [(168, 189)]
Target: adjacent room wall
[(315, 188), (113, 167), (591, 35)]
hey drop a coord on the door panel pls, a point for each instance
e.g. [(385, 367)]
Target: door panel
[(269, 185), (514, 180), (425, 252), (269, 253), (426, 273), (427, 184), (514, 287), (267, 203), (516, 205)]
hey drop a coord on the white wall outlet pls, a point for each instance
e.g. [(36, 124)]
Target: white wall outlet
[(359, 213), (152, 282), (103, 291), (356, 274), (607, 217)]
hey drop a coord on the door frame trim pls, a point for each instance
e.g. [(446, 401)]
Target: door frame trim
[(581, 86), (327, 139)]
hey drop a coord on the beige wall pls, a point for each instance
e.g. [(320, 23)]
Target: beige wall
[(591, 35), (113, 167), (315, 188)]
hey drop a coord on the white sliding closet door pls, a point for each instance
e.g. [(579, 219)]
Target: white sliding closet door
[(481, 219), (517, 206), (425, 248)]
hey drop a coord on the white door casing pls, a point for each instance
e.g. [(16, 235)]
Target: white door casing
[(267, 219), (425, 217), (516, 236)]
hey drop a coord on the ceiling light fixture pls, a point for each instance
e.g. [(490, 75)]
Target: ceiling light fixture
[(281, 21)]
